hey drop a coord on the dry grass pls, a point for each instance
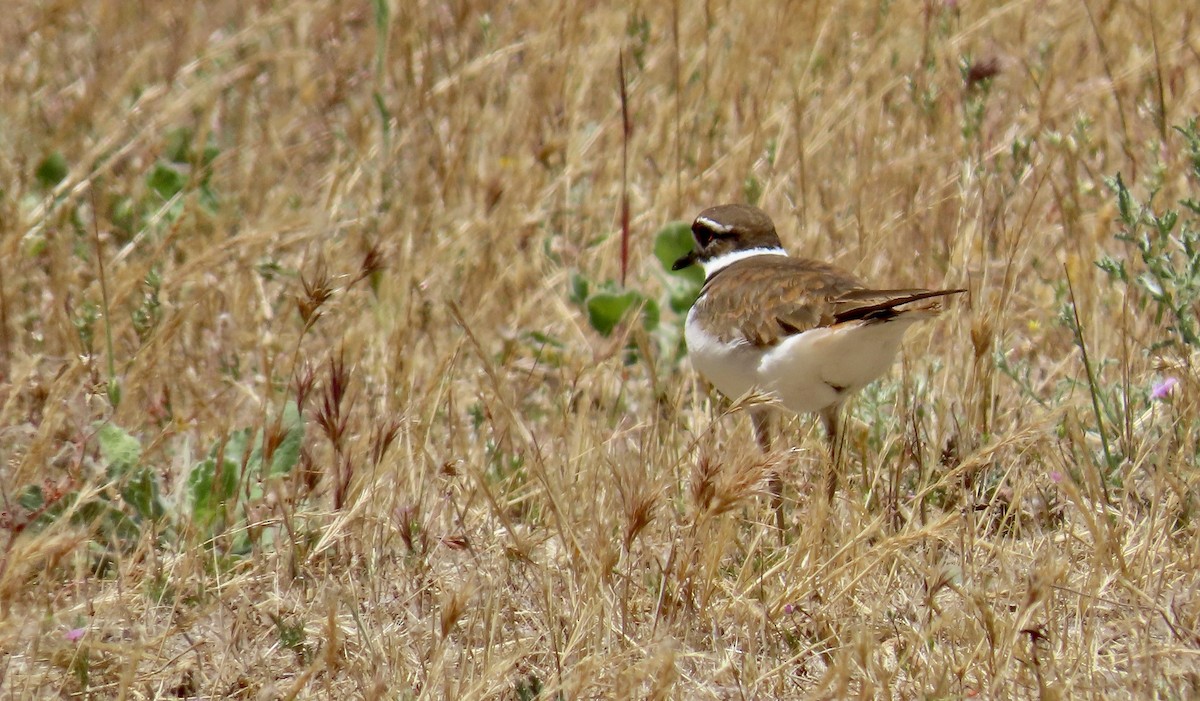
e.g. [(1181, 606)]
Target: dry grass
[(494, 500)]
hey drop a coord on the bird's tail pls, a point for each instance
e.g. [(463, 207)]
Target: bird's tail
[(888, 304)]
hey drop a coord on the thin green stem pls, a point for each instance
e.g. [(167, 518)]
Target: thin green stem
[(1093, 389)]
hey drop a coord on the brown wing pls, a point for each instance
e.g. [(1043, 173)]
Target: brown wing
[(884, 304), (765, 299)]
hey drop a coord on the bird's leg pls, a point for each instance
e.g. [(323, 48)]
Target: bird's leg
[(829, 417), (762, 428), (762, 434)]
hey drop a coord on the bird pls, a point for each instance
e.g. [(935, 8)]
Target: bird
[(805, 333)]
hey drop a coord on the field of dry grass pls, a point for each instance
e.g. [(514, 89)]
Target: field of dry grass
[(303, 390)]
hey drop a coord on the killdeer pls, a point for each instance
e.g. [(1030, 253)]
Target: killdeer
[(803, 332)]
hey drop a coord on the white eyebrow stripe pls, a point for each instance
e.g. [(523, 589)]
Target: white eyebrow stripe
[(714, 225), (723, 261)]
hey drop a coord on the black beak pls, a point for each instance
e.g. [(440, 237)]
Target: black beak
[(685, 261)]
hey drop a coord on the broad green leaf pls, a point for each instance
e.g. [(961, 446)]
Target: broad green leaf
[(650, 315), (210, 491), (166, 180), (235, 447), (672, 242), (141, 492), (287, 453), (682, 295), (579, 288), (606, 309), (139, 487), (31, 498), (121, 451), (207, 156), (51, 171), (115, 526)]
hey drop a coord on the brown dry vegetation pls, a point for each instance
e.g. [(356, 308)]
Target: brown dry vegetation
[(505, 503)]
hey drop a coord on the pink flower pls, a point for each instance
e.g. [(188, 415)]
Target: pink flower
[(75, 634), (1162, 390), (1056, 476)]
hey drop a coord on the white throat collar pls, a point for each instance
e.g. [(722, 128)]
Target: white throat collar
[(711, 267)]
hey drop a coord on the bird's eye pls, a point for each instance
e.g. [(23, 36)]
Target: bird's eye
[(703, 234)]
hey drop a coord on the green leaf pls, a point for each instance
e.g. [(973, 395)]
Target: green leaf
[(287, 453), (235, 448), (650, 315), (1124, 200), (579, 289), (1152, 286), (683, 295), (1166, 222), (166, 180), (207, 156), (606, 309), (1115, 268), (609, 306), (211, 489), (113, 526), (671, 243), (52, 170), (31, 498), (121, 451), (141, 493)]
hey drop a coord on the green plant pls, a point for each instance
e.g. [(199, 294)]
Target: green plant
[(673, 241), (235, 472), (116, 516), (51, 170), (231, 476), (1167, 245), (607, 305)]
